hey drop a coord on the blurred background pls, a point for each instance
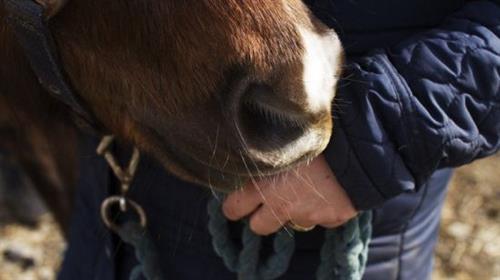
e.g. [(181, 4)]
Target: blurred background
[(469, 248)]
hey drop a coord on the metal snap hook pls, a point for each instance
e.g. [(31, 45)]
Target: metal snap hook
[(125, 176), (118, 200)]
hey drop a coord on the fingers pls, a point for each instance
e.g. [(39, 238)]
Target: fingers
[(332, 218), (269, 217), (268, 220), (309, 196), (304, 218), (241, 203), (265, 218), (331, 225)]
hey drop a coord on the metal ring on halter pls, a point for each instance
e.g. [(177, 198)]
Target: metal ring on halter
[(120, 201), (299, 228)]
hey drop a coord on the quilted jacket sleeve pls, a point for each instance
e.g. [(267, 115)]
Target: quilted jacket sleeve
[(430, 102)]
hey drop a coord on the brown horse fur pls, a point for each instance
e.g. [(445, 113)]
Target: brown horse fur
[(165, 76)]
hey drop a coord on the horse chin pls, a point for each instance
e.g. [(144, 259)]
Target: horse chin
[(189, 169), (226, 175), (215, 180), (193, 171)]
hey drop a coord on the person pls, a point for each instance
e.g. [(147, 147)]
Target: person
[(421, 96)]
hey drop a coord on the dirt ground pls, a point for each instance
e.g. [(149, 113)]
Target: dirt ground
[(469, 246)]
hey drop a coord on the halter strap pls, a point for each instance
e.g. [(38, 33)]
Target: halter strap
[(26, 18)]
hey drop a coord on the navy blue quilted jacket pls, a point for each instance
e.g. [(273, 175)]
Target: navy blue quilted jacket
[(407, 109)]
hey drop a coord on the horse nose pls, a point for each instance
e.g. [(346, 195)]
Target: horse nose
[(266, 119), (277, 129)]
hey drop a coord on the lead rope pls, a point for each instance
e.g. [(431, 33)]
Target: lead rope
[(247, 263), (343, 254)]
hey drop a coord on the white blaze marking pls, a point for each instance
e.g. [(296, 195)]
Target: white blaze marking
[(320, 62), (320, 68)]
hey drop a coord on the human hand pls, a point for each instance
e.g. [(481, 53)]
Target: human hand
[(305, 197)]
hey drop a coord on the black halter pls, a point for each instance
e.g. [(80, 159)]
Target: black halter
[(28, 22)]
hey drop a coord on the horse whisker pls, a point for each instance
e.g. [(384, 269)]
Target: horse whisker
[(214, 193), (261, 193), (309, 184)]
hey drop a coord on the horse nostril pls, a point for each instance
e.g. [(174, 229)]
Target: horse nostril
[(267, 121)]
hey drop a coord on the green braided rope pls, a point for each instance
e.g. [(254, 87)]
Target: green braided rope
[(135, 235), (343, 255), (247, 264)]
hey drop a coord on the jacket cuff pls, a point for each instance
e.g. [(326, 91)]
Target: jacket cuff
[(364, 157), (364, 192)]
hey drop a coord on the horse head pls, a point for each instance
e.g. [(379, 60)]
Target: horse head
[(218, 91)]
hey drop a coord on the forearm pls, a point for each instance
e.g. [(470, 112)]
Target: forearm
[(429, 102)]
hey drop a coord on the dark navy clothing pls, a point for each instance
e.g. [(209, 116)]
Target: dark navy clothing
[(422, 94), (403, 238), (428, 102)]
